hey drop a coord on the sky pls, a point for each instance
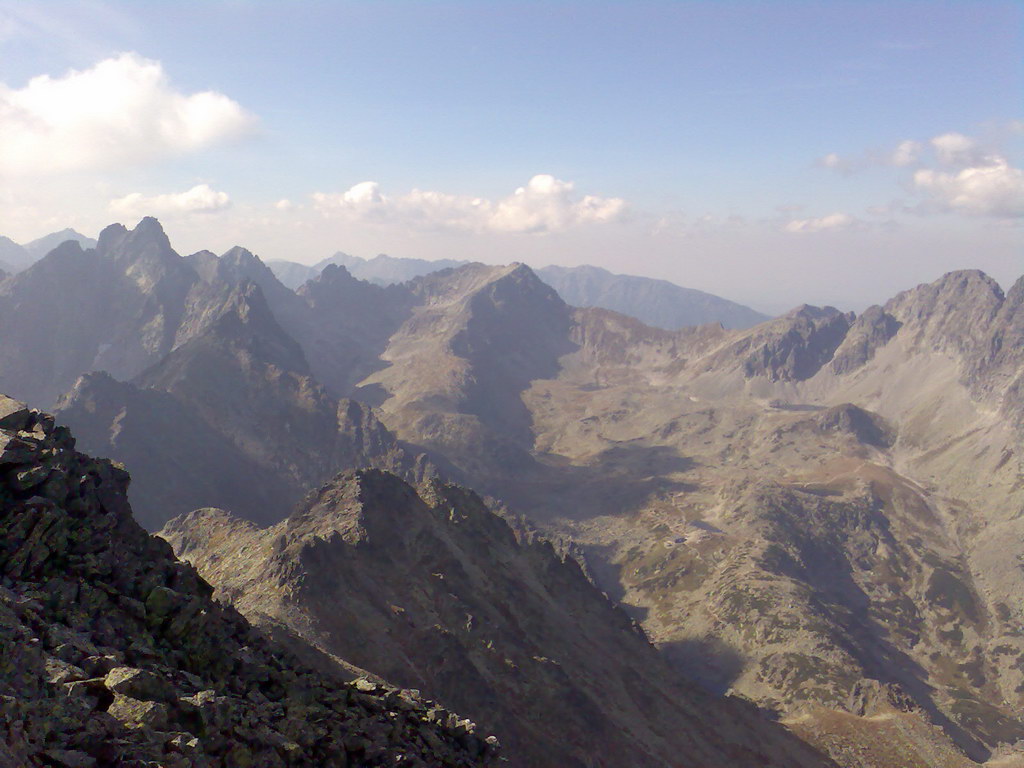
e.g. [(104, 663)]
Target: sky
[(775, 153)]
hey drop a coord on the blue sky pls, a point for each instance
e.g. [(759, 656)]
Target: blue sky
[(771, 152)]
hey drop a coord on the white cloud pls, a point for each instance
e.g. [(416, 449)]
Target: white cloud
[(545, 204), (906, 153), (955, 149), (833, 161), (122, 110), (831, 222), (993, 188), (952, 171), (200, 199)]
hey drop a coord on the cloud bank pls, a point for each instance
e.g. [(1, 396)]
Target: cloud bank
[(200, 199), (833, 221), (992, 188), (544, 205), (123, 110), (952, 172)]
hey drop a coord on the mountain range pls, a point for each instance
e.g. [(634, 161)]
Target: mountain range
[(795, 543), (15, 257), (658, 303)]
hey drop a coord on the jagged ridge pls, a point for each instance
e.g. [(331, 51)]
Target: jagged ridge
[(114, 653)]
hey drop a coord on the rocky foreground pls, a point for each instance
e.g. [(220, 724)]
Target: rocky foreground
[(114, 653)]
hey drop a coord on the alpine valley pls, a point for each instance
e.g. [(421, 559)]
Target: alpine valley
[(714, 540)]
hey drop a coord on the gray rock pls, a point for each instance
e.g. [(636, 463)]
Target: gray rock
[(139, 684), (135, 712), (13, 415)]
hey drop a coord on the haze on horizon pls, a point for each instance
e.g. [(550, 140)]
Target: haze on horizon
[(771, 153)]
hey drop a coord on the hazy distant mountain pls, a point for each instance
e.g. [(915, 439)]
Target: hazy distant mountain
[(658, 303), (15, 257), (380, 270), (386, 270), (39, 248), (291, 273)]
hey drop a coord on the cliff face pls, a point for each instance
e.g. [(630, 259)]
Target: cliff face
[(115, 653), (433, 591)]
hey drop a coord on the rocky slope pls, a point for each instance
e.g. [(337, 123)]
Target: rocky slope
[(433, 591), (813, 506), (115, 654), (164, 439)]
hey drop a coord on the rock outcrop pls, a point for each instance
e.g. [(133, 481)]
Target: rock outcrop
[(114, 652), (795, 346)]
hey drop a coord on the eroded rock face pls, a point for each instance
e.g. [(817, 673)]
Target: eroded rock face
[(796, 346), (115, 654), (869, 332)]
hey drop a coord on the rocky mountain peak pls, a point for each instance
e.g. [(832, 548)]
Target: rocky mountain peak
[(865, 426), (204, 262), (954, 312), (364, 507), (146, 242), (811, 313), (872, 329), (336, 273), (430, 588), (336, 283), (69, 249), (110, 236), (795, 346), (246, 323), (241, 263), (61, 235)]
